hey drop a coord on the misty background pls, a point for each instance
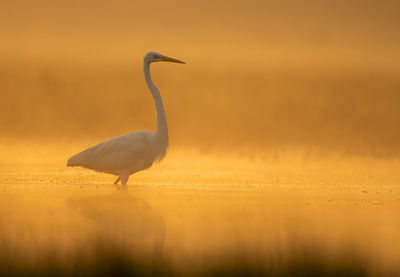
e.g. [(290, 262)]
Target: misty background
[(259, 74)]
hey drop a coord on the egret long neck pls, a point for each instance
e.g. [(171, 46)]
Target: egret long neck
[(162, 127)]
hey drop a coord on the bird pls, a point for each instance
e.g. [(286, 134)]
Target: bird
[(127, 154)]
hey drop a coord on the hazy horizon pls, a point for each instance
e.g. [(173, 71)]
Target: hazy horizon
[(259, 74)]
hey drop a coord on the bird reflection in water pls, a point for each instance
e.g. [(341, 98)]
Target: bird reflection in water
[(124, 215)]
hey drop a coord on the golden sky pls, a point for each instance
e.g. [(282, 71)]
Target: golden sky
[(258, 73), (201, 28)]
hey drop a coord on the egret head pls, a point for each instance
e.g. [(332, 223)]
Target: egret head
[(152, 57)]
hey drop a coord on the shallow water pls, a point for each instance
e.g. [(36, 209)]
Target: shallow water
[(195, 208)]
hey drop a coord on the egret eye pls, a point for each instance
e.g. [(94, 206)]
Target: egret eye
[(155, 56)]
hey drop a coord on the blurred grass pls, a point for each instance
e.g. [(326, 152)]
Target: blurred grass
[(107, 257)]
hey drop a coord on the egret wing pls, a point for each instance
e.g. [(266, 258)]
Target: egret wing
[(115, 154)]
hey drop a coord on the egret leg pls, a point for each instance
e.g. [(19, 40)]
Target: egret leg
[(124, 179), (116, 181)]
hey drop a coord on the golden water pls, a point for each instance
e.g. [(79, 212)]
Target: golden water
[(194, 206)]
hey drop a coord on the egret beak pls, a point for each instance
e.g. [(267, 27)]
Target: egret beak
[(168, 59)]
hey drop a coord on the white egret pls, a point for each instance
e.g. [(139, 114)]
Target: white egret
[(136, 151)]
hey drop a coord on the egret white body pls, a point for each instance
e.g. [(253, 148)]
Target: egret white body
[(133, 152)]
